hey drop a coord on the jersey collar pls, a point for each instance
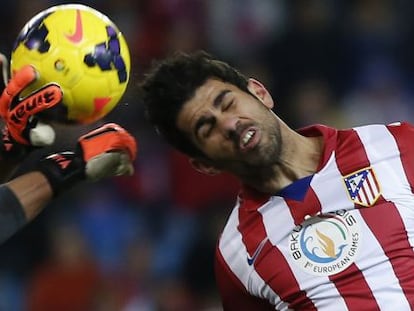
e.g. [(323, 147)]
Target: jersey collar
[(251, 199)]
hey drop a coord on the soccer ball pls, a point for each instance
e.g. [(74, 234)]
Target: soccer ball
[(82, 51)]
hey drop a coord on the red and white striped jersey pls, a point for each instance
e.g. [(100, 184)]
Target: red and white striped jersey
[(341, 239)]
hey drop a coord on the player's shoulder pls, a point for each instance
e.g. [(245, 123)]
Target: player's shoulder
[(394, 128), (401, 125), (398, 124)]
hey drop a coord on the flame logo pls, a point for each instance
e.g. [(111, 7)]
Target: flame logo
[(321, 247), (328, 245)]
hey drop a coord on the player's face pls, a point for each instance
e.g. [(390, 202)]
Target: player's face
[(235, 130)]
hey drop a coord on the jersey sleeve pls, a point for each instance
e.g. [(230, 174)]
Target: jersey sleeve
[(232, 292)]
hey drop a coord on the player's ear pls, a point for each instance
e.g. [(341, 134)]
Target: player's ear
[(204, 167), (260, 91)]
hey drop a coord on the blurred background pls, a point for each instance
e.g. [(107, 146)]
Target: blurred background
[(146, 242)]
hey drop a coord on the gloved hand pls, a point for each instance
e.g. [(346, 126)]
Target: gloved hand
[(105, 152), (22, 127)]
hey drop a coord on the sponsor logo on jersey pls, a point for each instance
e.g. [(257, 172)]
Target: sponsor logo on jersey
[(326, 244), (363, 187)]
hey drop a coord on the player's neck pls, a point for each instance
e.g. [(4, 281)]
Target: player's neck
[(301, 159)]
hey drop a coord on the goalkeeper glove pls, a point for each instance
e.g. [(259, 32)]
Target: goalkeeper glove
[(22, 127), (105, 152)]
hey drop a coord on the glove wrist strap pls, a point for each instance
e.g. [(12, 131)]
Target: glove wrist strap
[(62, 170)]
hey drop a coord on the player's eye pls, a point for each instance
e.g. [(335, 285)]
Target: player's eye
[(204, 126), (227, 105)]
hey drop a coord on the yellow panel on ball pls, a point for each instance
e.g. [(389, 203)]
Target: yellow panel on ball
[(83, 51)]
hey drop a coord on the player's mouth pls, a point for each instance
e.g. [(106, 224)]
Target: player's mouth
[(249, 138)]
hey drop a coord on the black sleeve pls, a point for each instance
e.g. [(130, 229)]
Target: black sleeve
[(12, 216)]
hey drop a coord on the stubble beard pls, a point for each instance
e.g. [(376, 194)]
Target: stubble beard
[(270, 151), (265, 158), (264, 162), (261, 161)]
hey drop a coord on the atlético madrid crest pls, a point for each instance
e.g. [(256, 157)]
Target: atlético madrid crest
[(363, 187)]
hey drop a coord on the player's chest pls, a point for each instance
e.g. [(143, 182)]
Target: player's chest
[(343, 220)]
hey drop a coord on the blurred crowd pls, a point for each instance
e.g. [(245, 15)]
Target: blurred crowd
[(146, 242)]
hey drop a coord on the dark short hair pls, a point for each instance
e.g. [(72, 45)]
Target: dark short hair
[(173, 81)]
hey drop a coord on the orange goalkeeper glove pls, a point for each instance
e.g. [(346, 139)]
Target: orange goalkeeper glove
[(105, 152), (22, 127)]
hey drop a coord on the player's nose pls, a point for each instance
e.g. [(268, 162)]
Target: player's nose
[(227, 124)]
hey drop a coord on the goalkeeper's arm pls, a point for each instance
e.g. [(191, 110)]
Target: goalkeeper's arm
[(105, 152), (21, 200)]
